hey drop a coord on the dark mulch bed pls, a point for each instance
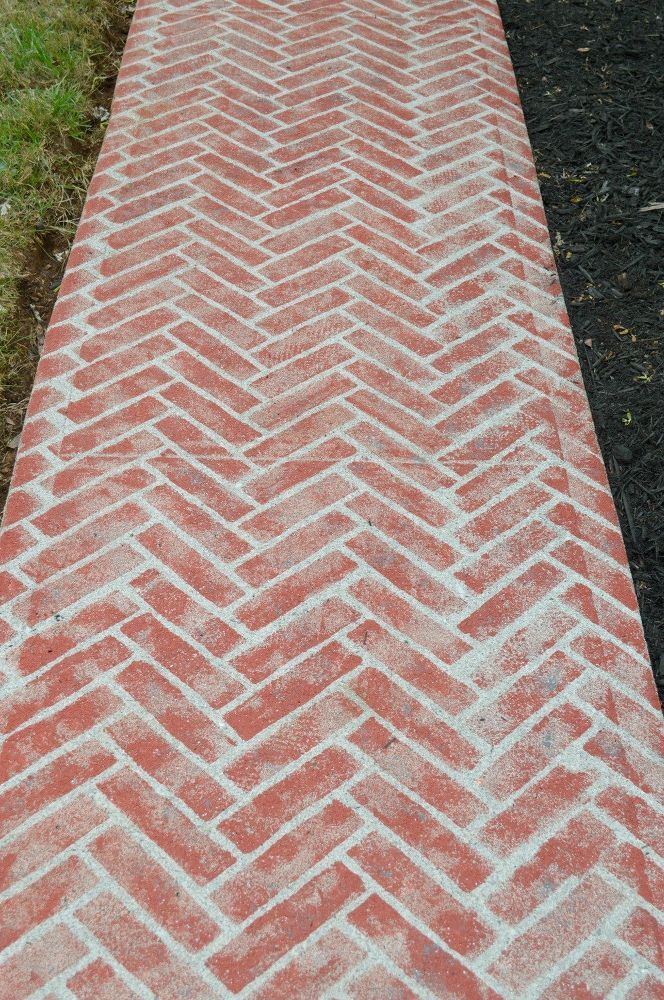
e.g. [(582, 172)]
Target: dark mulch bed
[(591, 79)]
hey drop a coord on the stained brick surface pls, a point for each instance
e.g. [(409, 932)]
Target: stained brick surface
[(322, 669)]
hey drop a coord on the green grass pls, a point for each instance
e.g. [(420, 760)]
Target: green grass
[(54, 58)]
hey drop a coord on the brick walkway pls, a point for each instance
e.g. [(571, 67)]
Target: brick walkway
[(323, 673)]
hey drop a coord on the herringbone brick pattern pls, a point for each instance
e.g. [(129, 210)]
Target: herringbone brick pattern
[(323, 672)]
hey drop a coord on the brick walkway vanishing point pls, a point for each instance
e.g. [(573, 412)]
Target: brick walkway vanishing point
[(323, 675)]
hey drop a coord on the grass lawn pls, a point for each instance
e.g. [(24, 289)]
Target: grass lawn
[(57, 62)]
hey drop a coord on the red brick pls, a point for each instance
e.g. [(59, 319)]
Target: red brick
[(573, 920), (27, 746), (182, 660), (409, 885), (101, 431), (482, 373), (526, 696), (40, 961), (535, 750), (629, 667), (551, 797), (395, 757), (94, 404), (202, 343), (643, 932), (290, 741), (309, 522), (405, 460), (324, 390), (303, 433), (377, 983), (635, 814), (417, 431), (405, 531), (263, 816), (318, 966), (648, 989), (632, 867), (287, 860), (614, 581), (297, 637), (625, 760), (14, 542), (223, 389), (289, 593), (508, 554), (60, 681), (506, 606), (275, 481), (85, 542), (416, 954), (387, 324), (598, 501), (98, 981), (201, 447), (272, 935), (642, 723), (204, 627), (171, 768), (126, 333), (487, 446), (51, 782), (425, 631), (60, 637), (530, 641), (418, 828), (195, 521), (44, 898), (296, 547), (404, 574), (395, 388), (409, 716), (485, 407), (443, 688), (45, 602), (412, 500), (201, 486), (77, 475), (572, 851), (626, 628), (202, 575), (588, 529), (139, 950), (46, 839), (292, 690), (151, 886), (280, 517), (594, 975), (160, 820), (174, 711)]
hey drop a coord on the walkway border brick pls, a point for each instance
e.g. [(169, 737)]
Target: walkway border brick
[(323, 674)]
